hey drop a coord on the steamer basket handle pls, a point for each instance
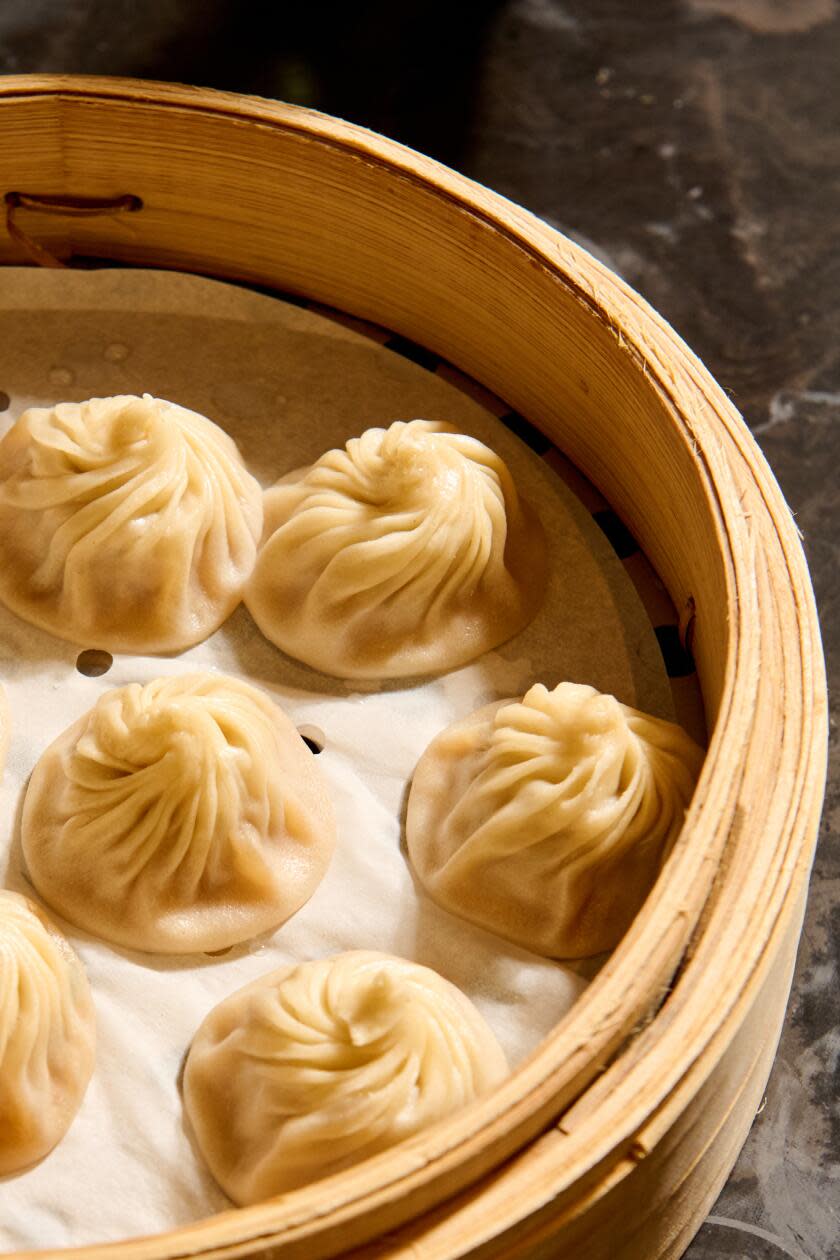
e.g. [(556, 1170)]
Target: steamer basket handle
[(76, 207)]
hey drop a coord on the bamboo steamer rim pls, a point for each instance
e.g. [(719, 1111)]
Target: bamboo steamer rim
[(731, 893)]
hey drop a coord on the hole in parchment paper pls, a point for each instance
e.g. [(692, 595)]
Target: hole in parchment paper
[(5, 400), (313, 738), (93, 662), (217, 953)]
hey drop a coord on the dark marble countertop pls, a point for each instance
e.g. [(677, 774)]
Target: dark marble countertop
[(693, 146)]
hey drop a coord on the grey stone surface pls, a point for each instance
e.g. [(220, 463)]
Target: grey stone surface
[(694, 145)]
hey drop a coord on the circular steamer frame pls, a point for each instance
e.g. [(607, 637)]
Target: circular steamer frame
[(614, 1137)]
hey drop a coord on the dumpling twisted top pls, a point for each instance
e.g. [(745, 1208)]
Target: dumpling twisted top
[(183, 815), (547, 819), (407, 552), (125, 523), (314, 1068), (47, 1034)]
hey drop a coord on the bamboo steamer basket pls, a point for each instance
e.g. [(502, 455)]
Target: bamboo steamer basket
[(614, 1138)]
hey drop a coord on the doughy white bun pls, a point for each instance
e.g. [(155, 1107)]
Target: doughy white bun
[(407, 552), (316, 1067), (47, 1034), (179, 816), (126, 523), (547, 820)]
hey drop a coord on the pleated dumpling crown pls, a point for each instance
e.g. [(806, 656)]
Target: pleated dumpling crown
[(47, 1034), (547, 819), (313, 1068), (183, 815), (126, 523), (406, 552)]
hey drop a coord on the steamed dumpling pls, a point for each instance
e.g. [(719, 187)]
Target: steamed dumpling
[(47, 1034), (316, 1067), (183, 815), (547, 820), (125, 523), (407, 552)]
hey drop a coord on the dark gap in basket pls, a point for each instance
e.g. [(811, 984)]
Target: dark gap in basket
[(416, 354), (293, 299), (618, 535), (93, 662), (526, 432), (678, 662), (5, 400), (91, 262)]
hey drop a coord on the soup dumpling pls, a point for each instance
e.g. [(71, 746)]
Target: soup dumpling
[(126, 523), (547, 819), (47, 1034), (407, 552), (312, 1068), (183, 815)]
